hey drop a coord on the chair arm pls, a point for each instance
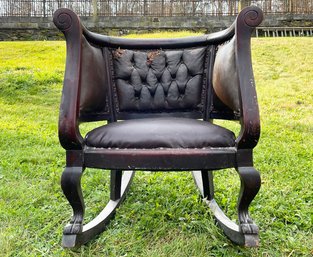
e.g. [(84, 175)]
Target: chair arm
[(247, 20), (233, 79), (69, 24)]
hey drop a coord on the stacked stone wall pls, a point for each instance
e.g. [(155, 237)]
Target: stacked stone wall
[(37, 28)]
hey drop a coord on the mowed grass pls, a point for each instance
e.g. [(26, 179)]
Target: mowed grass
[(162, 215), (164, 34)]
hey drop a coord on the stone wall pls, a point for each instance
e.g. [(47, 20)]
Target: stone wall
[(35, 28)]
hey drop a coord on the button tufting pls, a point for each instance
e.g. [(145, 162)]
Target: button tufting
[(137, 94), (162, 81)]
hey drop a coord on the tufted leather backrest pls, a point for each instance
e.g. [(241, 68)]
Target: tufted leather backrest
[(159, 80)]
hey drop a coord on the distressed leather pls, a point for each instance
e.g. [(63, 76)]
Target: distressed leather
[(93, 90), (225, 78), (159, 80), (160, 132)]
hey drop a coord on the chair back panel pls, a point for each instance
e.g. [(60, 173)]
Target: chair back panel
[(160, 80)]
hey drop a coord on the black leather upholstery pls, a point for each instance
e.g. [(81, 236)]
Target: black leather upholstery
[(159, 80), (160, 132), (93, 79)]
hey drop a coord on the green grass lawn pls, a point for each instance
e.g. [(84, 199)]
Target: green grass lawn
[(162, 215)]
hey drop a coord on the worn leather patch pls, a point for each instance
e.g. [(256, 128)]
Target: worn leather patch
[(225, 78)]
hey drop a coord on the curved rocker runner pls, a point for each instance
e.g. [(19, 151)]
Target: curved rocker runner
[(158, 99)]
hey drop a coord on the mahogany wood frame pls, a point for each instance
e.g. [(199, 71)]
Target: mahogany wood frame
[(121, 162)]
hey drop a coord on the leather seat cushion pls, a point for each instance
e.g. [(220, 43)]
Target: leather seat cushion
[(160, 133)]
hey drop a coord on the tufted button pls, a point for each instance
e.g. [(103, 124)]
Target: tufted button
[(137, 94)]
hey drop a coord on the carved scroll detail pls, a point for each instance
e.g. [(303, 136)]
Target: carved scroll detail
[(62, 19), (253, 17)]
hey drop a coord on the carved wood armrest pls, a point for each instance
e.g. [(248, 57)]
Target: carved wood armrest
[(85, 80), (233, 79), (247, 20), (69, 24)]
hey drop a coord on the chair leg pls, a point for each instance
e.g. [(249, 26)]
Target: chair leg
[(208, 185), (71, 186), (116, 183), (75, 234), (246, 233), (250, 185)]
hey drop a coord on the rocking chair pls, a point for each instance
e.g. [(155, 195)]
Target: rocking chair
[(159, 99)]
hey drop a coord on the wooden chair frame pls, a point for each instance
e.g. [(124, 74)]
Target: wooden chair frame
[(123, 162)]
